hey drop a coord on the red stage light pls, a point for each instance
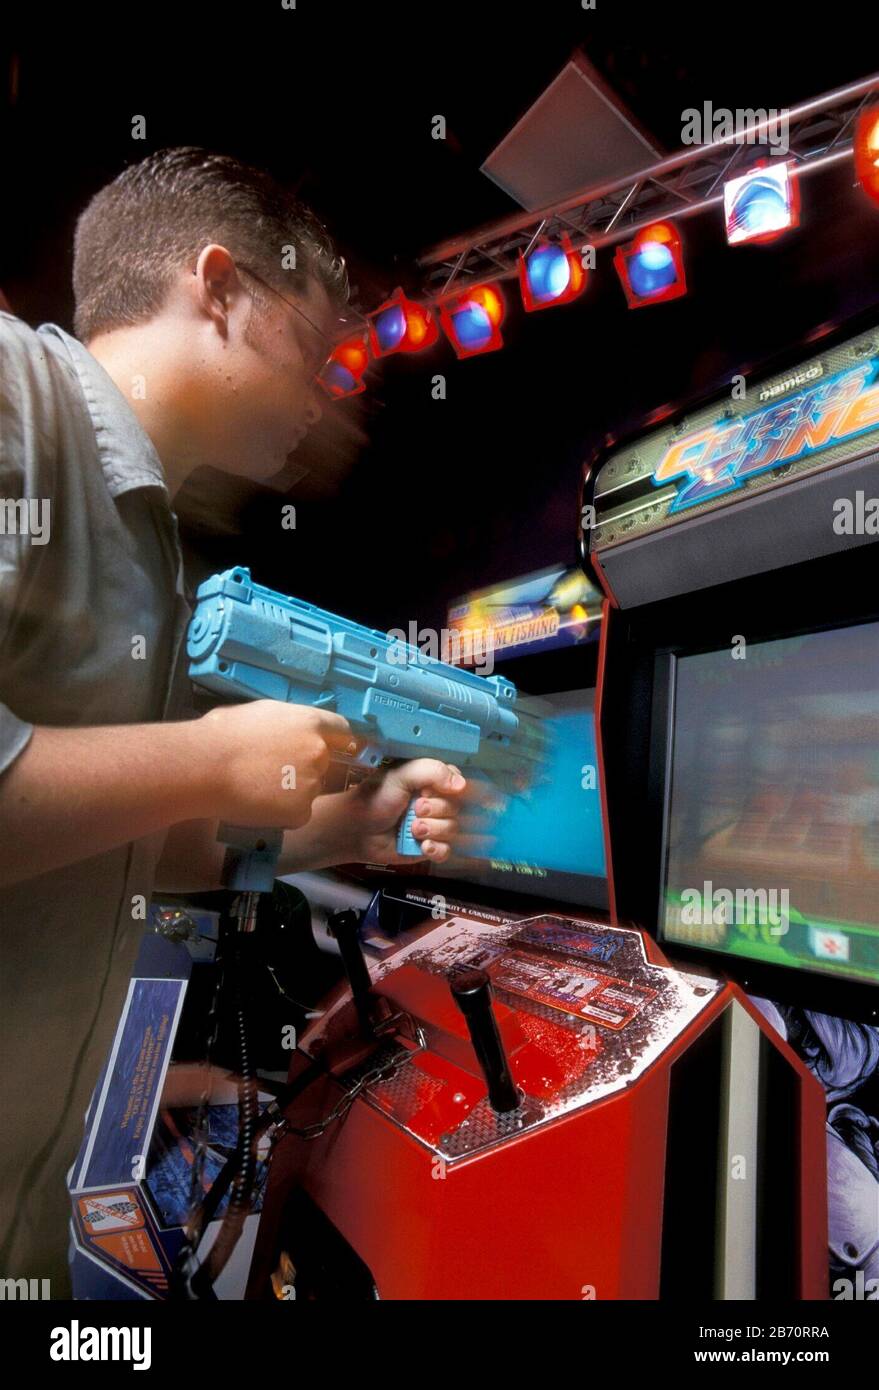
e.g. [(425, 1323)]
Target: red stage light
[(471, 318), (663, 232), (651, 266), (401, 325), (490, 299), (342, 375), (867, 151)]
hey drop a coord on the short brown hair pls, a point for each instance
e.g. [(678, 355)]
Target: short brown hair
[(158, 215)]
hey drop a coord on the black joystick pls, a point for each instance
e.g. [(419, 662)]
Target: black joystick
[(471, 991), (345, 928)]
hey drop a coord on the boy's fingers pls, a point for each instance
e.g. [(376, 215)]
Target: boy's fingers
[(434, 829)]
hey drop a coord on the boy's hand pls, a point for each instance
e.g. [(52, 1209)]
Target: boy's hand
[(378, 805), (265, 761)]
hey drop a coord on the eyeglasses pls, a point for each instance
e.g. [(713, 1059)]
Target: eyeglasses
[(330, 345)]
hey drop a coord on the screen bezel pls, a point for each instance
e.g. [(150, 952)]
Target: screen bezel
[(821, 990)]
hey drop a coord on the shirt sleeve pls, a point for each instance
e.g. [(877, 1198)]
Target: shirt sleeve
[(22, 478), (15, 735)]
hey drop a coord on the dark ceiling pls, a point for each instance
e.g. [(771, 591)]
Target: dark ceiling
[(410, 500), (337, 100)]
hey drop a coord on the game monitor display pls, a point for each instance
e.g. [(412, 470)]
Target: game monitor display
[(549, 839), (771, 841), (545, 840)]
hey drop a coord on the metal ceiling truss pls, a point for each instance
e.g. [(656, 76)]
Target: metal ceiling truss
[(819, 134)]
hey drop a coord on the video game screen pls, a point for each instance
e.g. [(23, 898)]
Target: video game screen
[(549, 838), (772, 803)]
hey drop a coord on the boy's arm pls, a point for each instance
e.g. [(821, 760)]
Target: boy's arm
[(192, 857), (74, 793)]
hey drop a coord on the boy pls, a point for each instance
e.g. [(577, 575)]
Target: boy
[(194, 346)]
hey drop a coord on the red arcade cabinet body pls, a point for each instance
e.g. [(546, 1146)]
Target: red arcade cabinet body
[(539, 1172)]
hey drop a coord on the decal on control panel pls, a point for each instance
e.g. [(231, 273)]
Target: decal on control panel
[(589, 995), (555, 934)]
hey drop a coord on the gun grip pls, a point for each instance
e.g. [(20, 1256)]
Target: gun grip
[(251, 857), (406, 841)]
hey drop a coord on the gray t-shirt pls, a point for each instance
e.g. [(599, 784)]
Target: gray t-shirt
[(92, 620)]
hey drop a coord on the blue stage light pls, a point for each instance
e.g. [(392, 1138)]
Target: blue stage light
[(390, 325), (760, 205), (651, 267), (551, 274), (471, 319)]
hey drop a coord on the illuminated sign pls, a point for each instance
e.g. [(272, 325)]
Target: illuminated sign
[(536, 611), (721, 457)]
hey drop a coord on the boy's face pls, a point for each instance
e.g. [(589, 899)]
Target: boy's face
[(254, 394)]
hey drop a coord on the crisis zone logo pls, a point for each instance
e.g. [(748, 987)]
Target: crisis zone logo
[(719, 458)]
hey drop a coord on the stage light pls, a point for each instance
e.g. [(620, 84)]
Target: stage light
[(471, 318), (342, 374), (651, 267), (760, 205), (867, 151), (401, 325), (551, 274)]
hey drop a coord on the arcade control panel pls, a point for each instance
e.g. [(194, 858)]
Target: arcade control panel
[(507, 1027), (514, 1110)]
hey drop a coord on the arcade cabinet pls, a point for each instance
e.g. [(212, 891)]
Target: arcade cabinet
[(737, 549), (525, 1099)]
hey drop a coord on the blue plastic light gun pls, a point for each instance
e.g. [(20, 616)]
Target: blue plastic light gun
[(248, 642)]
